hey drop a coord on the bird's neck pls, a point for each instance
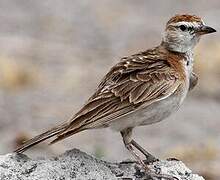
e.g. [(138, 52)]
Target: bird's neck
[(177, 47), (187, 56)]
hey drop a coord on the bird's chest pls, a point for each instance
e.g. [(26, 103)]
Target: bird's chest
[(160, 110)]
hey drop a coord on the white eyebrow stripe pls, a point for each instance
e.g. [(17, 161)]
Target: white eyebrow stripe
[(188, 24)]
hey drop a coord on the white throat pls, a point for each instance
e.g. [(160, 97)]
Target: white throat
[(180, 45)]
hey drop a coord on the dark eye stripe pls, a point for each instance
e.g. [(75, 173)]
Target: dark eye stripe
[(190, 28)]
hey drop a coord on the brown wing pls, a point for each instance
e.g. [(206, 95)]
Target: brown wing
[(135, 81)]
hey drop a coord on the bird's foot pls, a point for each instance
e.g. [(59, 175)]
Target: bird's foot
[(150, 159), (153, 176)]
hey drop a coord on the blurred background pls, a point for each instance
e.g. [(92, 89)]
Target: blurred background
[(54, 53)]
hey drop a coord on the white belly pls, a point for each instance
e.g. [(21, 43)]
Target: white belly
[(151, 114)]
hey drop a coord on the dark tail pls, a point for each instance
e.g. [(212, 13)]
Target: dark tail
[(46, 135)]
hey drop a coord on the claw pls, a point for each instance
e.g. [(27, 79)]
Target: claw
[(150, 160)]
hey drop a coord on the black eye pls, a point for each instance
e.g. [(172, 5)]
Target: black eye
[(182, 27)]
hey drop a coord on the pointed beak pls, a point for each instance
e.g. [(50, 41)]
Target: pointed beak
[(205, 30)]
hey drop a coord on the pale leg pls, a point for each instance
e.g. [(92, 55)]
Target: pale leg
[(149, 157), (126, 135)]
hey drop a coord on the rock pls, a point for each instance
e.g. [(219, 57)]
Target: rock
[(75, 164)]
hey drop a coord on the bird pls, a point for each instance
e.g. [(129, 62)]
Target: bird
[(139, 90)]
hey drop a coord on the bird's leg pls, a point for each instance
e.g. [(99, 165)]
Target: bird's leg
[(126, 135), (149, 157)]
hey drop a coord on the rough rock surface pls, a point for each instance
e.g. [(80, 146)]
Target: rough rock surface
[(75, 164)]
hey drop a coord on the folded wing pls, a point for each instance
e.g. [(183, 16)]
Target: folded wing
[(135, 81)]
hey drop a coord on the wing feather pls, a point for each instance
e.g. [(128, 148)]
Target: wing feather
[(133, 82)]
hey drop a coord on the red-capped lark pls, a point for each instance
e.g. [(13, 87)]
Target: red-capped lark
[(140, 89)]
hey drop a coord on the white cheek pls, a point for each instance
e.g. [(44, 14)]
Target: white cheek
[(189, 41)]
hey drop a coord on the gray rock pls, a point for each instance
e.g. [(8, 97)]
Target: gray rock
[(75, 164)]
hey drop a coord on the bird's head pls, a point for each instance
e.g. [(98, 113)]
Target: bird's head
[(183, 32)]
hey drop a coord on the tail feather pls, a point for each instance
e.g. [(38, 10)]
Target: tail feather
[(64, 135), (37, 139)]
